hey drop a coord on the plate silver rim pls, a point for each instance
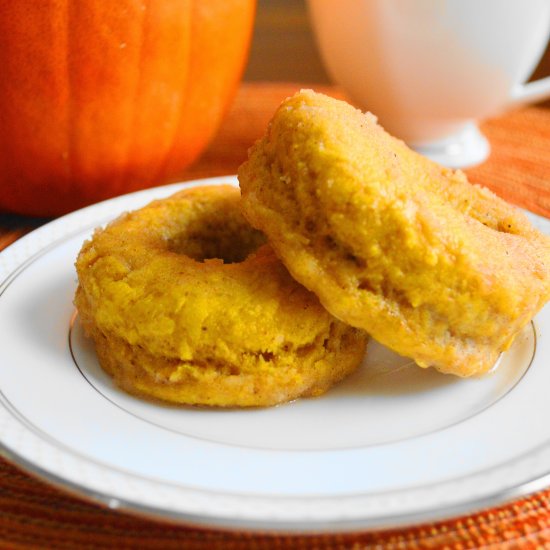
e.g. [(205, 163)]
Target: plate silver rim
[(300, 526)]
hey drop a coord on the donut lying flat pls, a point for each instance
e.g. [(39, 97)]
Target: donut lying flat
[(433, 267), (186, 304)]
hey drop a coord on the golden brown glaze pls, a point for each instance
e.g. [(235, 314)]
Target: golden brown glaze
[(431, 266), (186, 304)]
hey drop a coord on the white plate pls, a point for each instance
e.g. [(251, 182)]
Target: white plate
[(392, 445)]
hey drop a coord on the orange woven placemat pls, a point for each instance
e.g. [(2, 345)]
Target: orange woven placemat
[(35, 515)]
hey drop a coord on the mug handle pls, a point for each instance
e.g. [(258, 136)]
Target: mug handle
[(530, 92)]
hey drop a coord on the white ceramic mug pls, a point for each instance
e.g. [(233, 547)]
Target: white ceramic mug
[(430, 68)]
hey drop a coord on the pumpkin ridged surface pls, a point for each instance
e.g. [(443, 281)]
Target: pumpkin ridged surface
[(98, 98)]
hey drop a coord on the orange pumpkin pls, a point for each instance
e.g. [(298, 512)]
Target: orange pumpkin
[(102, 97)]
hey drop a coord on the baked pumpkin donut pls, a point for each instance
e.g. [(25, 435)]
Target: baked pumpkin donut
[(185, 303), (433, 267)]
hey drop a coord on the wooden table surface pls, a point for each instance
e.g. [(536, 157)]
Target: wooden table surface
[(34, 515)]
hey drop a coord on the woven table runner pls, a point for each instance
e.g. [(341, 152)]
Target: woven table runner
[(36, 515)]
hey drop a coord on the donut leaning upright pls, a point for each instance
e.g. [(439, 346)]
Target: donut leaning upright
[(431, 266)]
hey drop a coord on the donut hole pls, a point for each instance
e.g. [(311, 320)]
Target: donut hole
[(229, 239), (500, 226), (491, 220), (506, 226)]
